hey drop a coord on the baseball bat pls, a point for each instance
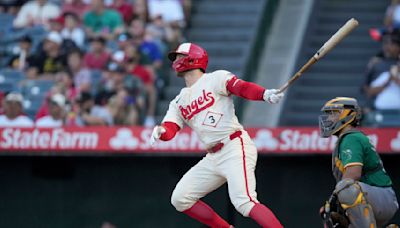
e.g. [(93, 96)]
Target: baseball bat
[(328, 45)]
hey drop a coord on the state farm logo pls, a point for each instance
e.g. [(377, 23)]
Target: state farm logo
[(124, 140), (264, 139), (12, 138), (293, 140), (395, 143)]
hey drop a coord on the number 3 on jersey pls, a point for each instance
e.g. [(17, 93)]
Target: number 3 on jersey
[(212, 119)]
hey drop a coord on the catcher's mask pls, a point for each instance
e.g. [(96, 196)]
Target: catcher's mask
[(337, 114), (195, 58)]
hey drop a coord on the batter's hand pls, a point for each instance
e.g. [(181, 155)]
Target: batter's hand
[(157, 132), (272, 96)]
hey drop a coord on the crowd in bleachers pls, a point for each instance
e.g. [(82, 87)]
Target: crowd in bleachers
[(382, 82), (86, 62)]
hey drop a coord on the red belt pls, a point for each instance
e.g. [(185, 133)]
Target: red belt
[(217, 147)]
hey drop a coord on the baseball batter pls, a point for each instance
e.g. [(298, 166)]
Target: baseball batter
[(206, 105)]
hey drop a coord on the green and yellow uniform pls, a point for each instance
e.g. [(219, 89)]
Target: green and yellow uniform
[(354, 148)]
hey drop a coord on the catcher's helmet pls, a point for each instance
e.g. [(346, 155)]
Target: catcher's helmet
[(338, 113), (196, 58)]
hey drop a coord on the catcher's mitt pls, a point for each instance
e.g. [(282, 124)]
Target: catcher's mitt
[(333, 215)]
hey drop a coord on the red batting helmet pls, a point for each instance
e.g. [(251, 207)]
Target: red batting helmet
[(196, 58)]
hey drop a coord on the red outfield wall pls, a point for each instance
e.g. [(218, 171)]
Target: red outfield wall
[(135, 140)]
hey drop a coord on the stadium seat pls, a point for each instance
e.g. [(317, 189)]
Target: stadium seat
[(12, 75), (6, 23), (36, 89), (6, 87), (383, 118)]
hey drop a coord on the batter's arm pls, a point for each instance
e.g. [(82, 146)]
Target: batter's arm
[(252, 91), (244, 89), (171, 129)]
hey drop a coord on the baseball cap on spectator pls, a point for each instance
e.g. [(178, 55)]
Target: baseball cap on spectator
[(58, 99), (54, 37), (378, 34), (124, 37), (59, 20), (13, 96), (114, 67)]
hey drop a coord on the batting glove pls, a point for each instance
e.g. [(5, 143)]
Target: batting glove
[(272, 96), (157, 132)]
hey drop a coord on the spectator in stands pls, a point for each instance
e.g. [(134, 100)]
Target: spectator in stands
[(56, 24), (141, 9), (133, 66), (117, 78), (36, 12), (187, 9), (89, 114), (123, 108), (170, 10), (125, 8), (102, 21), (98, 56), (77, 7), (48, 61), (81, 75), (381, 62), (162, 33), (124, 40), (19, 61), (11, 6), (65, 85), (72, 29), (57, 112), (150, 53), (386, 88), (136, 27), (13, 112), (170, 33), (392, 15)]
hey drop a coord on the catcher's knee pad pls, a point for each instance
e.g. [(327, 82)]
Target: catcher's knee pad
[(352, 199), (181, 200)]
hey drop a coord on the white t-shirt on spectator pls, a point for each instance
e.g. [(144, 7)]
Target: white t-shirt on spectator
[(170, 10), (20, 121), (48, 121), (77, 35), (389, 98), (40, 14)]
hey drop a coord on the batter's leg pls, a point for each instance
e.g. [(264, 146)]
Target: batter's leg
[(206, 215), (264, 216), (200, 180), (239, 171)]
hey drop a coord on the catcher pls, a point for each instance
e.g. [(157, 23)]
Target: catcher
[(363, 195)]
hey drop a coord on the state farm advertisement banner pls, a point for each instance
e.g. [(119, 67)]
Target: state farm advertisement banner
[(135, 140)]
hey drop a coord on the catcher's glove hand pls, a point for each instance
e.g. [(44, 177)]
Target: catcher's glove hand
[(333, 215)]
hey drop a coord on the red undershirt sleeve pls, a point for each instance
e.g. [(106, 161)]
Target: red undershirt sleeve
[(247, 90), (171, 130)]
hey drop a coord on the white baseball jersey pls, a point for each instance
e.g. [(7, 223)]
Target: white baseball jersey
[(206, 107)]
